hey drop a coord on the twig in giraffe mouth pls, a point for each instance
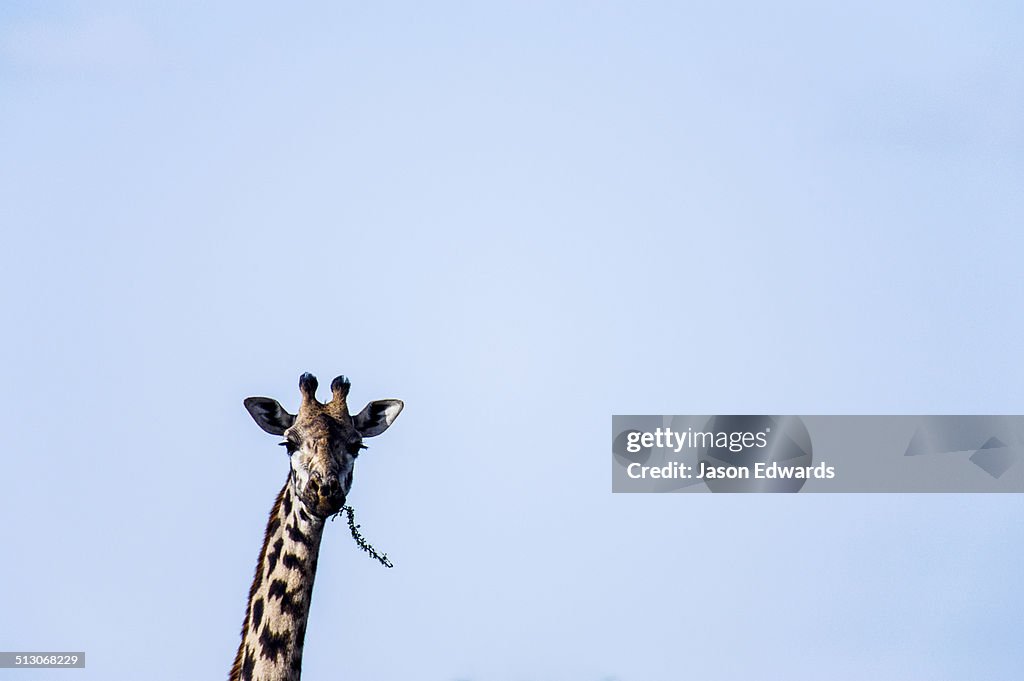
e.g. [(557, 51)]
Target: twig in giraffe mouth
[(381, 558)]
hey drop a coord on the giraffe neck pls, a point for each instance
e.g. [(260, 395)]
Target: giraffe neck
[(275, 621)]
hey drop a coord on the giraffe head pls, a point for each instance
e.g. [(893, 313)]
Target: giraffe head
[(323, 440)]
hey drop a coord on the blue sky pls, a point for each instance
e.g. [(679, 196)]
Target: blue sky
[(520, 218)]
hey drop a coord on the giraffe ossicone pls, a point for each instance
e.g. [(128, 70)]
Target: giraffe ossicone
[(323, 441)]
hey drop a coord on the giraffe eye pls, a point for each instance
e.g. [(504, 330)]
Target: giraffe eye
[(292, 447)]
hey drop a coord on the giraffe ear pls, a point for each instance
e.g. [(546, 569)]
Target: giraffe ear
[(269, 415), (375, 417)]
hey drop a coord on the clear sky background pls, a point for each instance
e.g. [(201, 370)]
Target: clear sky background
[(519, 217)]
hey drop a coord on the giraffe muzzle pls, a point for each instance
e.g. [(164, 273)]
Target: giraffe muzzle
[(327, 496)]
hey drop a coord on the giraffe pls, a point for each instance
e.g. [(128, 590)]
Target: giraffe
[(322, 441)]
